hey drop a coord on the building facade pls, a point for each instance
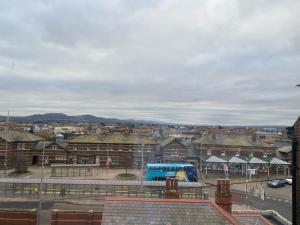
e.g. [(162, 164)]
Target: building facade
[(173, 150), (14, 144), (112, 151)]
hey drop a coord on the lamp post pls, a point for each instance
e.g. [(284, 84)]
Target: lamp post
[(41, 183), (142, 166), (201, 158)]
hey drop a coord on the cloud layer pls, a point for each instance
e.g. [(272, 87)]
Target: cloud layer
[(201, 62)]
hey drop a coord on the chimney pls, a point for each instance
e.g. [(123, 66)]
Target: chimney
[(171, 189), (253, 136), (223, 196), (213, 134)]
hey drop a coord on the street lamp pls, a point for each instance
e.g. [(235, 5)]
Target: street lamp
[(41, 182), (142, 166)]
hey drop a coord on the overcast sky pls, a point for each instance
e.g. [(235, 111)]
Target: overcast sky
[(198, 62)]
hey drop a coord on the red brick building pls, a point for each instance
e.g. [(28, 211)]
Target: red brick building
[(55, 152), (15, 144), (173, 150), (225, 145), (111, 150)]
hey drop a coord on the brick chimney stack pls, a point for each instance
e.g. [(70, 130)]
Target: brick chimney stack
[(171, 190), (223, 196), (213, 133), (253, 136)]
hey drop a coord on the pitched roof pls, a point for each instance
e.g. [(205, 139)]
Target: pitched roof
[(235, 159), (255, 160), (276, 161), (18, 136), (118, 210), (111, 139), (215, 159), (40, 144), (230, 139), (167, 141)]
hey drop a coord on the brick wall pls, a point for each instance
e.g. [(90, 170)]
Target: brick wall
[(18, 217), (174, 148), (2, 154), (217, 150), (76, 217)]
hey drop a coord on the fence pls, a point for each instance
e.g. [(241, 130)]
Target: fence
[(90, 189)]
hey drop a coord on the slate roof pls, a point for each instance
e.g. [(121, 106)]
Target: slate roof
[(255, 160), (215, 159), (167, 141), (141, 211), (276, 161), (111, 139), (235, 159), (18, 136), (226, 139)]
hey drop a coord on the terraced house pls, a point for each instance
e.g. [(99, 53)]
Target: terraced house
[(112, 151)]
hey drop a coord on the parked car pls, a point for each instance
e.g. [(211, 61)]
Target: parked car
[(276, 183), (289, 180)]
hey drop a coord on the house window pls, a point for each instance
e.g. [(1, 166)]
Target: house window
[(75, 147), (88, 147), (223, 153), (54, 147), (60, 158), (98, 148), (21, 146), (208, 152)]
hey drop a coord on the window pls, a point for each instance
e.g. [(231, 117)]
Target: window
[(98, 148), (21, 146), (54, 147), (88, 147), (60, 158), (208, 152), (75, 147)]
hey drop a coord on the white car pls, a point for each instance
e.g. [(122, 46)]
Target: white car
[(289, 180)]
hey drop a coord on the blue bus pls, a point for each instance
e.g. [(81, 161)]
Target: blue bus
[(182, 171)]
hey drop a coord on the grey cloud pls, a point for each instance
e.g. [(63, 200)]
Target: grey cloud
[(215, 62)]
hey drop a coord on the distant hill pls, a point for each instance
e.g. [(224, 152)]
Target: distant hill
[(61, 117)]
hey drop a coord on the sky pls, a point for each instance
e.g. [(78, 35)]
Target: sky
[(210, 62)]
